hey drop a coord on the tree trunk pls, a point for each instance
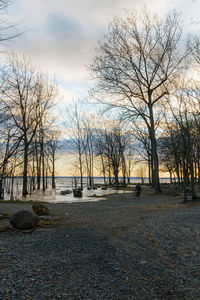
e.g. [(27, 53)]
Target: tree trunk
[(124, 170), (194, 197), (103, 169), (109, 175), (178, 173), (90, 181), (53, 184), (116, 173), (25, 182), (154, 154), (33, 175), (38, 171), (43, 174), (1, 189), (149, 169), (81, 169), (46, 178), (12, 187)]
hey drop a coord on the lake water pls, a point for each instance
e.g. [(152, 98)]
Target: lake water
[(63, 183)]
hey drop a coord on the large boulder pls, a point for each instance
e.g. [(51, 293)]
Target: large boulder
[(40, 210), (24, 219)]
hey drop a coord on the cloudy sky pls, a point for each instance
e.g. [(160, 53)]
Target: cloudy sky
[(61, 35)]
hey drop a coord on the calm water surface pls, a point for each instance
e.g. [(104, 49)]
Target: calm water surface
[(53, 195)]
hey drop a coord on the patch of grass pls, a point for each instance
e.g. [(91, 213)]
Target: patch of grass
[(53, 222), (5, 216), (5, 229)]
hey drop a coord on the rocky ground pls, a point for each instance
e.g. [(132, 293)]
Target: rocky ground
[(117, 248)]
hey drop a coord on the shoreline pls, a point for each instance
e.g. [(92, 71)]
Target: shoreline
[(101, 211)]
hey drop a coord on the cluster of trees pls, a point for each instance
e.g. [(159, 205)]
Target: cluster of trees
[(28, 138), (27, 132), (179, 146), (100, 145), (141, 70)]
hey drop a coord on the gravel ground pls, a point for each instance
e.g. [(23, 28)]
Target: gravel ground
[(129, 254)]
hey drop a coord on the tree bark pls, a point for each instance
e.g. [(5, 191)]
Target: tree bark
[(25, 181), (154, 154), (53, 184)]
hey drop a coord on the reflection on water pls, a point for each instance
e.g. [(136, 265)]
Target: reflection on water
[(53, 196), (63, 183)]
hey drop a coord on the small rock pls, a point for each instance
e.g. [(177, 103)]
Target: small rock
[(104, 188), (40, 210), (65, 192)]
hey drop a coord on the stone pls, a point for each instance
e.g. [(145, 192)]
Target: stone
[(24, 219), (65, 192), (40, 210), (77, 193), (104, 188)]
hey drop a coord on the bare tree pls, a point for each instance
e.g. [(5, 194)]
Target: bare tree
[(75, 144), (27, 94), (7, 30), (9, 148), (111, 145), (141, 172), (52, 147), (135, 66), (89, 149), (183, 124)]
